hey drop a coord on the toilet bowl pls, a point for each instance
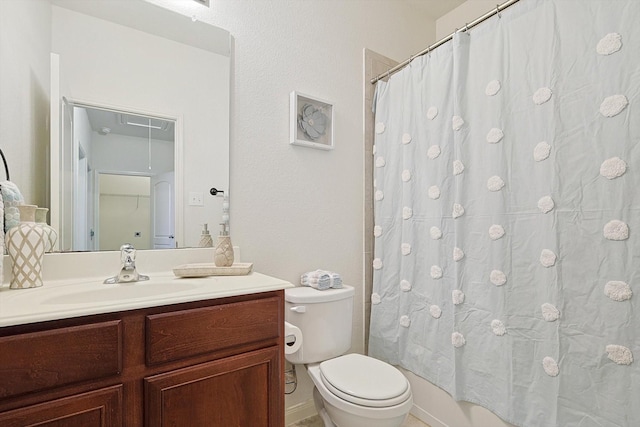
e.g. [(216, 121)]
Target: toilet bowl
[(359, 391), (351, 390)]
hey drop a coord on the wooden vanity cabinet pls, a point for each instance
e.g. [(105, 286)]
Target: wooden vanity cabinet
[(208, 363)]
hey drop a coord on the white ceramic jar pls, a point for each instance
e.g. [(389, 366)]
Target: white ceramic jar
[(26, 246)]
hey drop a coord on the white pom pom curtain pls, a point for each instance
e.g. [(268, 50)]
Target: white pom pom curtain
[(507, 215)]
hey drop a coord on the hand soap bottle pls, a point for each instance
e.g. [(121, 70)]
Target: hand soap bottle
[(224, 250), (205, 239)]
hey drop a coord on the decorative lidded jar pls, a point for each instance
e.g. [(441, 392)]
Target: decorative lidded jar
[(26, 245), (51, 235)]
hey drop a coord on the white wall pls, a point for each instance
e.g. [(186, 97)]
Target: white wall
[(114, 152), (82, 136), (463, 14), (295, 209), (82, 130), (124, 210), (25, 27)]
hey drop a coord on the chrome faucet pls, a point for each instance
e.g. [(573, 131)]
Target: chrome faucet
[(128, 272)]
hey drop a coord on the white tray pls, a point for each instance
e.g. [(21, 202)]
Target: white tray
[(210, 269)]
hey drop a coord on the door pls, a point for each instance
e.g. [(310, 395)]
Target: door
[(81, 235), (124, 211), (163, 211), (242, 390)]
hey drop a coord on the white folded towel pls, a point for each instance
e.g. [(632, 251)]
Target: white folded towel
[(321, 279), (316, 279), (319, 285), (336, 280)]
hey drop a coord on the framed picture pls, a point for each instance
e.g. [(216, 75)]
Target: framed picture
[(311, 122)]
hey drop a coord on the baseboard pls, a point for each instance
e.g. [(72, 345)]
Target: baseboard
[(426, 417), (307, 409), (298, 412)]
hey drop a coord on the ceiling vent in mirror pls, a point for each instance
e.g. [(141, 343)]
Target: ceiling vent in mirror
[(145, 122), (203, 2)]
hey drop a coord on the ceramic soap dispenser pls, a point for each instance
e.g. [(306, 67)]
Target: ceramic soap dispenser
[(205, 239), (224, 250)]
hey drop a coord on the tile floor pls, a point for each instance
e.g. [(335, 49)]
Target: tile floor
[(316, 422)]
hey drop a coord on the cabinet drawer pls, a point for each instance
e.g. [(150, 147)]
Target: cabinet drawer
[(42, 360), (187, 333), (99, 408)]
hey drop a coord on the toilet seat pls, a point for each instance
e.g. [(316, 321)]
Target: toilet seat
[(365, 381), (333, 402)]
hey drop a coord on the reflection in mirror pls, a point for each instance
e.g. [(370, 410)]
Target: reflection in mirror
[(122, 181), (133, 56)]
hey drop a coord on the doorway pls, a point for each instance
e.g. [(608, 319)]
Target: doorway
[(120, 181)]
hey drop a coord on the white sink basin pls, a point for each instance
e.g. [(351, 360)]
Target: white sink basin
[(120, 292)]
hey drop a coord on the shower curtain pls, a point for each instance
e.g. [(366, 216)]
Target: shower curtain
[(507, 215)]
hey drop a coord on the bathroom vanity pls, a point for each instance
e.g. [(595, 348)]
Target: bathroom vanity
[(209, 352)]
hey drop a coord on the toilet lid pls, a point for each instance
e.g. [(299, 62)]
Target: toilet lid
[(364, 380)]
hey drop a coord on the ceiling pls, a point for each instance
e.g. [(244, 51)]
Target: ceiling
[(129, 124), (436, 8)]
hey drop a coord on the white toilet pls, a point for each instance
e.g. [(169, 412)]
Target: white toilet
[(350, 390)]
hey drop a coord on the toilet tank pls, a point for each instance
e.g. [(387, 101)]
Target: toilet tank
[(324, 318)]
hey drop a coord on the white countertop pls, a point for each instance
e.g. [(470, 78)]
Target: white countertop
[(66, 298)]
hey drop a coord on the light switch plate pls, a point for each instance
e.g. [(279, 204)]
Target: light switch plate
[(196, 198)]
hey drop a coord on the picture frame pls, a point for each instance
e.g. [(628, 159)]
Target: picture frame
[(311, 121)]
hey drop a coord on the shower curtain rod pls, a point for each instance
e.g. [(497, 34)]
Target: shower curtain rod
[(442, 41)]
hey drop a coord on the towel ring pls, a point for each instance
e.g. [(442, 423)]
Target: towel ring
[(6, 167)]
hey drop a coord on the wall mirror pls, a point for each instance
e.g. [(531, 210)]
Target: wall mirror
[(122, 181), (139, 124)]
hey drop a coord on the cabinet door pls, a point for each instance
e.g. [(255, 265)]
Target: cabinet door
[(100, 408), (238, 391)]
